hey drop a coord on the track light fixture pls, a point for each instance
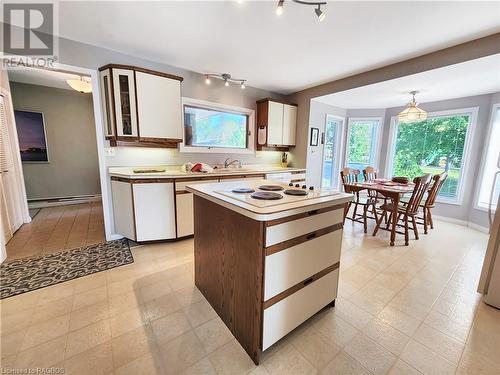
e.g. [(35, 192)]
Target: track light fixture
[(226, 78), (319, 13)]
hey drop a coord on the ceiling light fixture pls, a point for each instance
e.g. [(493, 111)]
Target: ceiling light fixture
[(82, 85), (319, 13), (226, 78), (412, 112)]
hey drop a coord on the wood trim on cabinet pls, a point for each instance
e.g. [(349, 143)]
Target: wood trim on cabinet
[(180, 192), (136, 109), (300, 285), (175, 209), (276, 101), (112, 98), (121, 179), (143, 180), (143, 70), (142, 143), (304, 238), (302, 215)]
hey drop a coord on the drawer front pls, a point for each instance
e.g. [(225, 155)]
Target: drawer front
[(284, 316), (288, 267), (298, 177), (181, 185), (291, 229)]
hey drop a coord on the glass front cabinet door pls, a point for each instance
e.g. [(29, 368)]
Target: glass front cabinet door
[(125, 103), (107, 104)]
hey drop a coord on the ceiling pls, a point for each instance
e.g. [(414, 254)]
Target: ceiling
[(41, 77), (475, 77), (283, 53)]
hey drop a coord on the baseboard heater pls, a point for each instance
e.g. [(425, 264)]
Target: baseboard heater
[(61, 201)]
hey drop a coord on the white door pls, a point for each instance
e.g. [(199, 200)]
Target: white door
[(154, 211), (107, 103), (289, 124), (275, 124), (332, 139), (159, 106), (125, 109)]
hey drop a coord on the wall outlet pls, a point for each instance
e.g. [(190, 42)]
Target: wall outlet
[(109, 151)]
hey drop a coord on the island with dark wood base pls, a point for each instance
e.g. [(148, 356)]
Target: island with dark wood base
[(266, 255)]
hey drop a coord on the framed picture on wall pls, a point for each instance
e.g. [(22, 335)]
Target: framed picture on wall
[(32, 137), (313, 141)]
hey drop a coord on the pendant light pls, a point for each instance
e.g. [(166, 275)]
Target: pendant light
[(82, 85), (412, 112)]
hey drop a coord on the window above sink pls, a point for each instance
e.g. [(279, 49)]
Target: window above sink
[(217, 128)]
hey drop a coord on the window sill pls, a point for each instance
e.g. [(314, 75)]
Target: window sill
[(214, 150)]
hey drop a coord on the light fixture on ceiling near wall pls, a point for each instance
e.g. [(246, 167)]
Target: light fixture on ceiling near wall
[(82, 85), (412, 112), (319, 13), (226, 78)]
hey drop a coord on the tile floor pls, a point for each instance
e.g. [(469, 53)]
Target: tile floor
[(58, 228), (401, 310)]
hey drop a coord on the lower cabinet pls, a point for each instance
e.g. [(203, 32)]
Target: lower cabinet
[(185, 217), (144, 211)]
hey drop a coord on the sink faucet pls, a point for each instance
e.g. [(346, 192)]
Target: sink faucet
[(227, 163)]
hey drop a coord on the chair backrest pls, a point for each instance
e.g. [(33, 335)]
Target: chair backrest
[(438, 181), (370, 173), (421, 186), (349, 176)]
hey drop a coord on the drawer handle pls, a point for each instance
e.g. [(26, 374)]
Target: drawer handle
[(313, 212), (311, 236), (308, 281)]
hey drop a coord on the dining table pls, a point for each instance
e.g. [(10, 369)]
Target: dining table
[(388, 189)]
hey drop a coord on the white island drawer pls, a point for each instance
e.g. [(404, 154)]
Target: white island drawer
[(289, 313), (288, 267), (295, 228)]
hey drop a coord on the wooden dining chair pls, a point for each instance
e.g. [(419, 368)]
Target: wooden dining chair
[(407, 211), (347, 176), (430, 201)]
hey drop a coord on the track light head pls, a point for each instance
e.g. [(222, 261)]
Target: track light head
[(226, 83), (242, 85), (319, 13), (207, 80), (279, 7)]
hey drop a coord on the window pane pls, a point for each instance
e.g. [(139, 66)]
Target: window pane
[(432, 146), (361, 142), (491, 167), (205, 127), (329, 154)]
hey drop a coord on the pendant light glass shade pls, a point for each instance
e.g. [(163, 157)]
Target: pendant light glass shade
[(412, 113), (80, 85)]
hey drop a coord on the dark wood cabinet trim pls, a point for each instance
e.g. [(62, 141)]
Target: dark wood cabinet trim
[(304, 214), (121, 179), (143, 180), (112, 93), (276, 101), (300, 285), (180, 192), (142, 70), (134, 142), (304, 238), (136, 109)]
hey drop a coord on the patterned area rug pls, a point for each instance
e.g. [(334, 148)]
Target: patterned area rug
[(27, 274)]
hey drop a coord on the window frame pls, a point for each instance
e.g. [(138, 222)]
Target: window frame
[(339, 140), (494, 108), (469, 136), (203, 104), (377, 146)]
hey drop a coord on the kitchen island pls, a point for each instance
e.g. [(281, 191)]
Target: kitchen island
[(266, 255)]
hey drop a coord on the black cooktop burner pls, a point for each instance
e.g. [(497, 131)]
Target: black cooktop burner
[(295, 192), (243, 190), (271, 188), (268, 196)]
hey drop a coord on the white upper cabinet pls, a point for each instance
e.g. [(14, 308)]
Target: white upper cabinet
[(279, 122), (107, 103), (159, 106), (125, 109), (275, 124), (141, 107), (289, 124)]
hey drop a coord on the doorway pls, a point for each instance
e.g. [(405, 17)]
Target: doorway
[(332, 154)]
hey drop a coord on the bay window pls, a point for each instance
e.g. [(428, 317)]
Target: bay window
[(362, 143)]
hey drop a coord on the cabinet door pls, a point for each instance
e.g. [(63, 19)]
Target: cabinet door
[(123, 209), (125, 108), (107, 103), (289, 124), (185, 217), (154, 211), (275, 124), (158, 106)]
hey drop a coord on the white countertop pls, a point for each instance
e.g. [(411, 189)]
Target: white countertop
[(175, 172), (264, 210)]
